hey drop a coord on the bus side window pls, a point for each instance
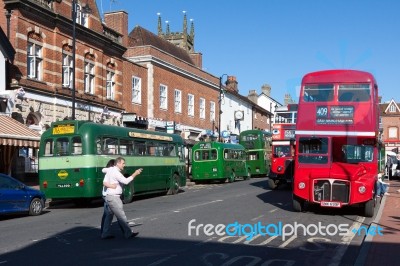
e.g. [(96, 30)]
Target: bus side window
[(213, 154), (98, 146)]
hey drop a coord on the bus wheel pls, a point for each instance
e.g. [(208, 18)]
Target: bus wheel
[(369, 208), (128, 194), (232, 177), (174, 185), (298, 204)]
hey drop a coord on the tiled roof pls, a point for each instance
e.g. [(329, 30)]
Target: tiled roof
[(14, 133), (141, 37)]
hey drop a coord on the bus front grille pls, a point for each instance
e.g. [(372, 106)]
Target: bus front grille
[(324, 190)]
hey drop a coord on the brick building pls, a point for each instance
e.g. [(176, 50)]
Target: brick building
[(390, 125)]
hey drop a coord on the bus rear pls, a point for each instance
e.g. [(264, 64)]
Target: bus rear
[(337, 139), (217, 161)]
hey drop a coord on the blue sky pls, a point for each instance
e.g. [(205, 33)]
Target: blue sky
[(276, 42)]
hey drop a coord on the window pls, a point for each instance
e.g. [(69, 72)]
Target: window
[(81, 16), (136, 90), (34, 61), (202, 108), (89, 77), (62, 146), (393, 133), (67, 70), (212, 111), (191, 104), (318, 93), (178, 101), (110, 85), (163, 97), (76, 146), (313, 150), (354, 93), (392, 109)]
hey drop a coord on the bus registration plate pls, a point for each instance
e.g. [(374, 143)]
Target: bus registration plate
[(63, 185), (333, 204)]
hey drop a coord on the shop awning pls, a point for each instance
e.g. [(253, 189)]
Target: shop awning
[(14, 133)]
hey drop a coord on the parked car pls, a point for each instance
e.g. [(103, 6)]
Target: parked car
[(16, 197)]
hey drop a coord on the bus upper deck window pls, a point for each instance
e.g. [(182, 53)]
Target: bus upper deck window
[(318, 93)]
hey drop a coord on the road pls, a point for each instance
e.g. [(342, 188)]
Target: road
[(187, 229)]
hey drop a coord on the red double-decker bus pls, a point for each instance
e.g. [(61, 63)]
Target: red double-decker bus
[(283, 146), (337, 140)]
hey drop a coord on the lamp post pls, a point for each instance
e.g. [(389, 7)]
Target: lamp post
[(221, 93), (85, 10)]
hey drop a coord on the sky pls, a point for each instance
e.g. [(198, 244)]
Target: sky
[(276, 42)]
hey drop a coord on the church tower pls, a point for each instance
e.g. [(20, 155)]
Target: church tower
[(180, 39)]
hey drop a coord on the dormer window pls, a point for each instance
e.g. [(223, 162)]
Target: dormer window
[(392, 108)]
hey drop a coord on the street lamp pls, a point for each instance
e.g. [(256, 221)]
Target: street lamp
[(221, 93), (85, 10)]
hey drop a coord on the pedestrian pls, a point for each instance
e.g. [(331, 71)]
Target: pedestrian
[(113, 196), (108, 215), (381, 187), (389, 165)]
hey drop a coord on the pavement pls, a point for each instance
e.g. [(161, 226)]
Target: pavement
[(384, 249), (381, 249)]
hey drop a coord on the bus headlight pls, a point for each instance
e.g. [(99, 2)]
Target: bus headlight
[(279, 168), (302, 185), (362, 189), (214, 169)]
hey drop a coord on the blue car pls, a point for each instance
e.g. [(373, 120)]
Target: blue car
[(16, 197)]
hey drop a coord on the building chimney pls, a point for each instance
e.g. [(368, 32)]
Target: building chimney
[(266, 89), (118, 21), (253, 96), (232, 84)]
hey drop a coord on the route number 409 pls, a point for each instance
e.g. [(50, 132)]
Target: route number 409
[(322, 111)]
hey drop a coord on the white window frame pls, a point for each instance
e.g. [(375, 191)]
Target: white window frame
[(136, 90), (110, 85), (190, 105), (67, 70), (178, 101), (393, 132), (212, 111), (81, 18), (89, 77), (392, 108), (202, 107), (35, 59), (163, 97)]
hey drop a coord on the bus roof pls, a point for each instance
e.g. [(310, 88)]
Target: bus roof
[(339, 75), (110, 130)]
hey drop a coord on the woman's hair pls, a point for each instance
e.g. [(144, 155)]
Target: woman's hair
[(110, 163)]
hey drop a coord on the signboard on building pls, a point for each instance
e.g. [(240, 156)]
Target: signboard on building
[(170, 127)]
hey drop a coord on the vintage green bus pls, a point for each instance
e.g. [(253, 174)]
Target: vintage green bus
[(258, 145), (218, 162), (73, 153)]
